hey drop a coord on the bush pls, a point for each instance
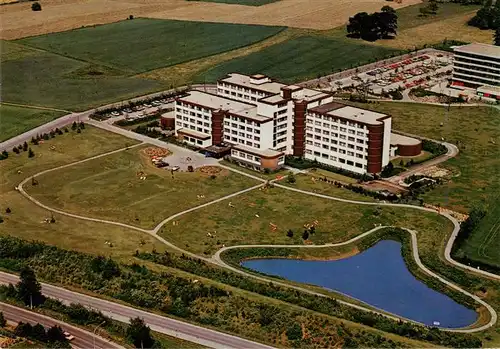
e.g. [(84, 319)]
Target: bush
[(36, 6)]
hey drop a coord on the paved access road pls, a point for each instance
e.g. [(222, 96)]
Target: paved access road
[(171, 327), (83, 339)]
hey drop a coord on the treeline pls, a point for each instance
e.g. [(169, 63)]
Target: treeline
[(324, 305), (434, 148), (488, 17), (186, 298), (125, 122), (52, 338), (374, 26)]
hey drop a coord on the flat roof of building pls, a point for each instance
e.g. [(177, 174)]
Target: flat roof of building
[(265, 153), (193, 133), (489, 88), (244, 80), (397, 139), (168, 114), (273, 99), (217, 102), (347, 112), (480, 49)]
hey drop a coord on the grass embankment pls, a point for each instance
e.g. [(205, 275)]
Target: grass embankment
[(15, 120), (27, 219), (111, 188), (249, 221), (151, 43), (204, 302), (312, 181)]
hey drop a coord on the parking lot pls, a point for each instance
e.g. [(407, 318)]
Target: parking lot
[(423, 70)]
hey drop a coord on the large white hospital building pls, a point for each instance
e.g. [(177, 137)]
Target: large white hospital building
[(262, 121)]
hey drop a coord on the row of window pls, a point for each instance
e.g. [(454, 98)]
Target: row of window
[(193, 121), (337, 120), (336, 159), (193, 140), (245, 155), (241, 134), (338, 150), (192, 127), (233, 139), (458, 75), (235, 94), (243, 89), (242, 120), (460, 56), (487, 77), (476, 68), (194, 107)]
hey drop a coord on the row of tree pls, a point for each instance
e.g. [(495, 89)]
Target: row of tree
[(371, 27)]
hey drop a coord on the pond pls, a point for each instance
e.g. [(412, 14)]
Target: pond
[(379, 277)]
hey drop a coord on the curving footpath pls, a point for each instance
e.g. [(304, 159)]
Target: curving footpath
[(218, 261)]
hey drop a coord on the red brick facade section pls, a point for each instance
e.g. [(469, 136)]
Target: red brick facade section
[(410, 150), (168, 123), (299, 129), (375, 148), (217, 126)]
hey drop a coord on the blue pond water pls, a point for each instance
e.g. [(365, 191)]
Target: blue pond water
[(377, 276)]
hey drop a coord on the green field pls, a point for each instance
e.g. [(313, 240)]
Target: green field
[(16, 120), (46, 79), (144, 44), (110, 188), (27, 220), (241, 2), (475, 169), (249, 221), (301, 58)]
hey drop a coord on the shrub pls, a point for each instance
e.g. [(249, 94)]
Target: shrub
[(36, 6)]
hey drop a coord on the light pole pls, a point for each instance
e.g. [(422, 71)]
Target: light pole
[(95, 330)]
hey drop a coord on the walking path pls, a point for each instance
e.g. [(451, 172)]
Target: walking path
[(218, 261)]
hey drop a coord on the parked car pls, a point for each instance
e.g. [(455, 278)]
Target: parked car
[(155, 103), (147, 105), (127, 110), (68, 336), (115, 113), (175, 168)]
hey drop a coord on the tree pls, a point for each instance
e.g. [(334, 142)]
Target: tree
[(38, 333), (433, 6), (31, 153), (3, 322), (294, 332), (387, 171), (289, 233), (291, 178), (15, 150), (139, 334), (8, 210), (312, 230), (497, 37), (55, 334), (74, 126), (25, 146), (29, 289), (36, 6), (5, 154), (23, 329), (305, 235), (82, 125)]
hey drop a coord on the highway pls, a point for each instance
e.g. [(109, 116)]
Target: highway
[(83, 339), (123, 313)]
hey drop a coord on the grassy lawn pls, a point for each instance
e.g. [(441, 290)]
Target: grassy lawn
[(16, 120), (42, 78), (241, 2), (150, 43), (301, 58), (475, 168), (110, 188), (26, 219), (248, 222), (311, 183)]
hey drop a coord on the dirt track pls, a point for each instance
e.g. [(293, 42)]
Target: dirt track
[(58, 15)]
